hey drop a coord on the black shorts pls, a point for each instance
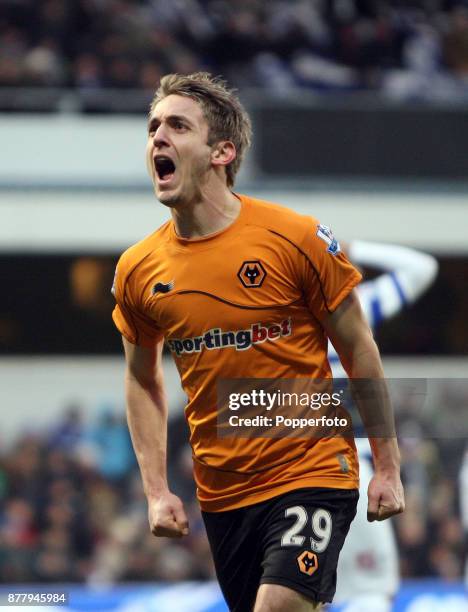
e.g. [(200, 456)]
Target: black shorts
[(293, 540)]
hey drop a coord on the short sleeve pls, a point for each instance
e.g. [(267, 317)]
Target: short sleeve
[(128, 315), (327, 275)]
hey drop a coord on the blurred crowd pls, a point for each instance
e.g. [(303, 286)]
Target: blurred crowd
[(406, 49), (72, 507)]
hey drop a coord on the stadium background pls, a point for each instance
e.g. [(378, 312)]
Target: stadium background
[(359, 112)]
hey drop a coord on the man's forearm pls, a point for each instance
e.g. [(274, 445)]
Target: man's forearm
[(373, 401), (353, 341), (147, 422)]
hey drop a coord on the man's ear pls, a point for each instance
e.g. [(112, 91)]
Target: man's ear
[(223, 153)]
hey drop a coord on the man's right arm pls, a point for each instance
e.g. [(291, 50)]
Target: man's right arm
[(147, 422)]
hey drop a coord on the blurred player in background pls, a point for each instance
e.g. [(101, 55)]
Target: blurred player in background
[(368, 576), (240, 288)]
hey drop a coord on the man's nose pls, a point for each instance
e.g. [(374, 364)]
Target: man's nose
[(160, 136)]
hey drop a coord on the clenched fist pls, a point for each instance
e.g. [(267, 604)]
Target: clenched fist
[(167, 516), (385, 495)]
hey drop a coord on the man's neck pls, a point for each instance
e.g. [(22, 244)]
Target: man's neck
[(211, 213)]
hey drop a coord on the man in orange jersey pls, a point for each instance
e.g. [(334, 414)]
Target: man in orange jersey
[(240, 288)]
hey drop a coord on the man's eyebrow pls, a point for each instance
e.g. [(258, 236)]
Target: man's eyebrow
[(183, 118), (152, 121)]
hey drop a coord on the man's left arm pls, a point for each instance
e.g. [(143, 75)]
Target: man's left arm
[(352, 338)]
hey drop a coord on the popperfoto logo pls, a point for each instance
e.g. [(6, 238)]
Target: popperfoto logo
[(281, 408), (241, 340)]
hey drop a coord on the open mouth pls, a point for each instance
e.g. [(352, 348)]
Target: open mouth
[(165, 168)]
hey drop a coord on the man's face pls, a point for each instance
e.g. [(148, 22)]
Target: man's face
[(177, 154)]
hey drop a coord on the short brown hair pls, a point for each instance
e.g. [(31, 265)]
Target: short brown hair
[(222, 109)]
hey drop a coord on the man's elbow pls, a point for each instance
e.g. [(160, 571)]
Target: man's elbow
[(363, 361), (149, 382)]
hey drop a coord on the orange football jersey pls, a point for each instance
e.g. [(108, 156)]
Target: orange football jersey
[(245, 302)]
